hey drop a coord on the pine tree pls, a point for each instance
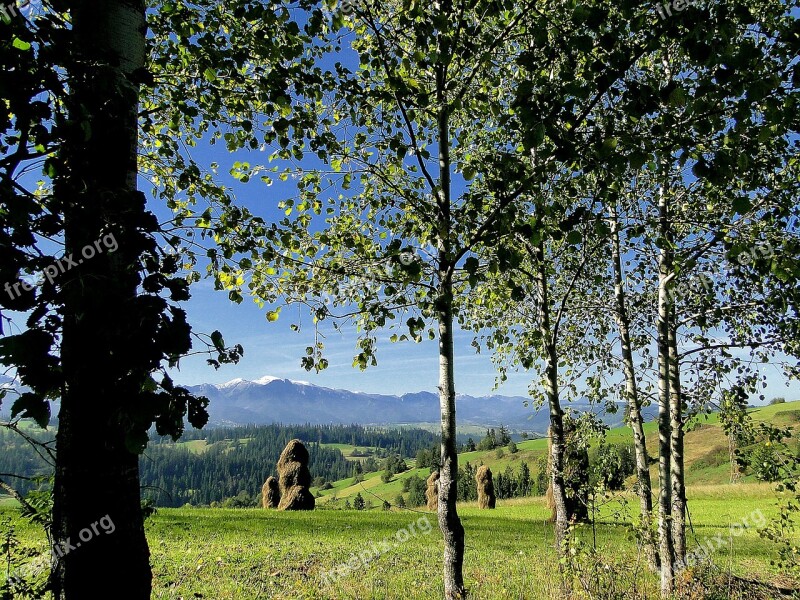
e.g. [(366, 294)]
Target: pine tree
[(358, 502)]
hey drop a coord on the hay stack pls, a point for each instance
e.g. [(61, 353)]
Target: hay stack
[(270, 493), (294, 479), (483, 478), (432, 493)]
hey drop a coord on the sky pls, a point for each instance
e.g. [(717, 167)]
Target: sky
[(274, 349), (403, 367)]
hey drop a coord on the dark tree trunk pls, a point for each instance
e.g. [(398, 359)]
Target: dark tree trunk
[(98, 531), (449, 522)]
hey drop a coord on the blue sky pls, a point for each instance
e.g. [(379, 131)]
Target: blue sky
[(274, 349)]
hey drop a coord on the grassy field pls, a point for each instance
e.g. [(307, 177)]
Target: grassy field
[(249, 554), (707, 456), (243, 554)]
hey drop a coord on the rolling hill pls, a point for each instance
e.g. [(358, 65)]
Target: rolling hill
[(706, 453)]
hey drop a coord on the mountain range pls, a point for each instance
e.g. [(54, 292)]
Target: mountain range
[(274, 400)]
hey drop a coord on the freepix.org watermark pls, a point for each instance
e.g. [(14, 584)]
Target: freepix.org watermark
[(63, 547), (61, 266), (40, 564), (665, 10), (362, 559), (14, 9), (710, 545)]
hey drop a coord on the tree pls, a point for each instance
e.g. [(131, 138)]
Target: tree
[(690, 224), (103, 323), (410, 250), (503, 439), (524, 480), (358, 502), (92, 305), (416, 491), (633, 407)]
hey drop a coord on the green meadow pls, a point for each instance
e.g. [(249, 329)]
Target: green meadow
[(241, 554), (334, 553)]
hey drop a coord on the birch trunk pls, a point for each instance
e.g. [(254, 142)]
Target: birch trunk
[(665, 272), (98, 530), (558, 446), (645, 489), (449, 522), (676, 451)]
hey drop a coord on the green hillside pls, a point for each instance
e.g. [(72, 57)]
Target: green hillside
[(706, 451)]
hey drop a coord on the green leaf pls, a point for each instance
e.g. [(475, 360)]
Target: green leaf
[(31, 406), (742, 205), (574, 237), (21, 44)]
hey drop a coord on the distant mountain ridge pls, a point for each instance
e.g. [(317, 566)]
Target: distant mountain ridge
[(274, 400)]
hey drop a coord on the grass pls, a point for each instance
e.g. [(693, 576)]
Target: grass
[(248, 554), (251, 553), (348, 449), (195, 446), (8, 502), (707, 458)]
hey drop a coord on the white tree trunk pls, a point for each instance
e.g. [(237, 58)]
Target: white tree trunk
[(449, 522), (665, 273), (676, 450), (557, 447), (632, 395)]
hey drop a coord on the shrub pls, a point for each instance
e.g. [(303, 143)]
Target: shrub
[(611, 465), (358, 502), (416, 491), (764, 462)]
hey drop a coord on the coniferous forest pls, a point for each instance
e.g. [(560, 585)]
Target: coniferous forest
[(231, 465)]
